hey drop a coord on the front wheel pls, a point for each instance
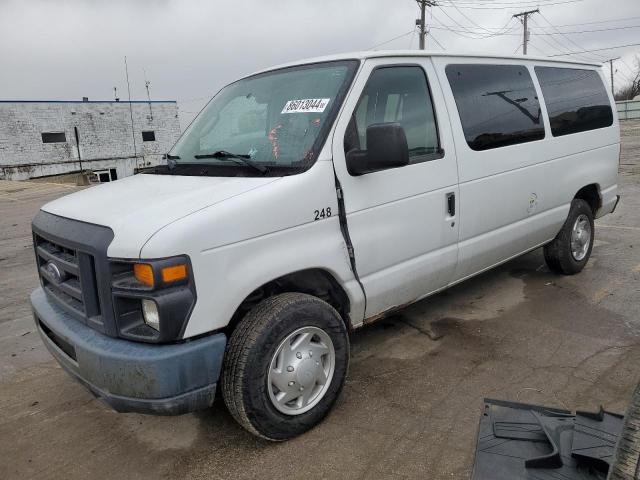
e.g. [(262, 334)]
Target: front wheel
[(569, 252), (285, 365)]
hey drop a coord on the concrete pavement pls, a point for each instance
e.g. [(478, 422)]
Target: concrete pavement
[(414, 393)]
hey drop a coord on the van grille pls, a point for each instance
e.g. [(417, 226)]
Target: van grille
[(68, 276)]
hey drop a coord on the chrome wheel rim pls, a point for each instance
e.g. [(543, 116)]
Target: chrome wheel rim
[(580, 237), (301, 370)]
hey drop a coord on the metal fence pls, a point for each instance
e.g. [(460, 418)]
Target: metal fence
[(628, 109)]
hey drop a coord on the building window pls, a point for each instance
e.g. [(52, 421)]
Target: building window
[(54, 137), (576, 100), (149, 136), (103, 176), (498, 104)]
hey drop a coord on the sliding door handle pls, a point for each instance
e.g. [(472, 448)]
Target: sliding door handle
[(451, 204)]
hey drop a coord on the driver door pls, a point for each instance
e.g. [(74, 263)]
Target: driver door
[(403, 222)]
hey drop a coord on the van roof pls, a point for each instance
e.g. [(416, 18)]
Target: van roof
[(423, 53)]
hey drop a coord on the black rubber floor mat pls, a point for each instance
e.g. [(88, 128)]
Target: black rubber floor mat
[(529, 442), (595, 437)]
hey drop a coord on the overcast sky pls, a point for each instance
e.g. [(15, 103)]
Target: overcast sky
[(67, 49)]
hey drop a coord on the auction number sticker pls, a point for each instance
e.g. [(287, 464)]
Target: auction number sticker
[(312, 105)]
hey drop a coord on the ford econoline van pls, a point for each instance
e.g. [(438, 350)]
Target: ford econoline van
[(305, 201)]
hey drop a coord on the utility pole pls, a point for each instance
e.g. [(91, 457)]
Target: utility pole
[(611, 60), (147, 83), (133, 133), (525, 33), (421, 22)]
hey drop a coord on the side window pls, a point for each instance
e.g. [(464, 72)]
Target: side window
[(498, 104), (576, 100), (397, 94)]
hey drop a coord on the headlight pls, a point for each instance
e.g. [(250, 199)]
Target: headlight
[(152, 298), (150, 314)]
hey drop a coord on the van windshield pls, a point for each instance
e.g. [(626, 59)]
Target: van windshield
[(269, 124)]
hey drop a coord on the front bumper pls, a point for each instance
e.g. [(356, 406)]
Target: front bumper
[(129, 376)]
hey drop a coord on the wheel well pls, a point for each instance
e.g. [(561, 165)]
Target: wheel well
[(316, 282), (591, 195)]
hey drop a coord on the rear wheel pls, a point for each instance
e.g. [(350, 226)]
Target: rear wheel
[(569, 252), (285, 365)]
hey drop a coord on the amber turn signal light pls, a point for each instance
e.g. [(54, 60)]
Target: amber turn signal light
[(143, 273), (174, 273)]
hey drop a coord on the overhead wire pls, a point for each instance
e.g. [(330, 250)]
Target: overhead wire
[(469, 33), (597, 49), (512, 6), (392, 39), (580, 47), (437, 42)]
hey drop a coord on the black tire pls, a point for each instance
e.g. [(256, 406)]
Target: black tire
[(625, 464), (557, 253), (248, 359)]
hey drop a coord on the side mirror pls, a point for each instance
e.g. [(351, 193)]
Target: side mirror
[(386, 148)]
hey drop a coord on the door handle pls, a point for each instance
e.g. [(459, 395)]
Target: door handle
[(451, 204)]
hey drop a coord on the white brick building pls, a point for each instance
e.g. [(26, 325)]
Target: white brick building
[(37, 138)]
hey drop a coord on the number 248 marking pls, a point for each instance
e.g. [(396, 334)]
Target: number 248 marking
[(324, 213)]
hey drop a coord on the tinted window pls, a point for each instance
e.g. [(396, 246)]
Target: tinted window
[(397, 94), (498, 105), (53, 137), (576, 100)]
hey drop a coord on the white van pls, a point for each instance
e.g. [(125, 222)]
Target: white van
[(306, 201)]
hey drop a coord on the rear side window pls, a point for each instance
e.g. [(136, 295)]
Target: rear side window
[(498, 104), (576, 100), (397, 94)]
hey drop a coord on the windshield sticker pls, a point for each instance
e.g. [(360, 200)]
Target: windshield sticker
[(306, 105)]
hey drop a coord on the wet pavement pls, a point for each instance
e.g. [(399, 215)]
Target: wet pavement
[(413, 397)]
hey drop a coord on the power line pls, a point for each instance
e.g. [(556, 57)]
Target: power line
[(613, 20), (464, 29), (554, 47), (597, 50), (469, 33), (593, 30), (564, 49), (392, 39), (565, 36), (437, 42), (545, 32), (468, 19), (552, 41), (515, 5), (600, 21), (539, 49), (502, 3)]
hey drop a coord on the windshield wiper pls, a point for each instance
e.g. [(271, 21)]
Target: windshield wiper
[(171, 161), (244, 159)]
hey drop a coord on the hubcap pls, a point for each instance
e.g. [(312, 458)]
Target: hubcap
[(580, 237), (301, 370)]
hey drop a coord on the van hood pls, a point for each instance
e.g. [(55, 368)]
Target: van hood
[(136, 207)]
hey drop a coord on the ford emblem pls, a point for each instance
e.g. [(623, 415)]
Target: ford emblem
[(54, 272)]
